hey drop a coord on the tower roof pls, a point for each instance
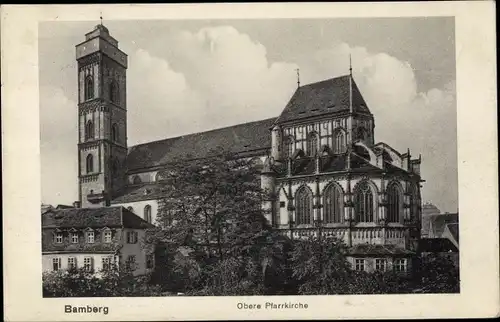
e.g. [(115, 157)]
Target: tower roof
[(324, 97)]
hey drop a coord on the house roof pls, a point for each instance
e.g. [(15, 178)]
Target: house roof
[(324, 97), (436, 245), (453, 228), (240, 139), (144, 191), (438, 222), (111, 217), (371, 249)]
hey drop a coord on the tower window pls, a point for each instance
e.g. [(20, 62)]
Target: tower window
[(90, 163), (89, 88), (114, 132), (147, 214), (89, 130), (304, 206), (394, 204), (333, 204), (113, 92), (364, 203)]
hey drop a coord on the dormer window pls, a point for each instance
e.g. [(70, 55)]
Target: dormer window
[(74, 237), (107, 236), (58, 237), (90, 237), (136, 180)]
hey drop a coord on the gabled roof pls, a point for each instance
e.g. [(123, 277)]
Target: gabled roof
[(372, 249), (112, 217), (324, 97), (145, 191), (241, 139), (438, 222), (436, 245), (454, 231)]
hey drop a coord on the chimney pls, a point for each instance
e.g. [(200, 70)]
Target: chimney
[(76, 204)]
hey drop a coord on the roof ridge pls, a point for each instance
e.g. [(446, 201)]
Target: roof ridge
[(200, 132)]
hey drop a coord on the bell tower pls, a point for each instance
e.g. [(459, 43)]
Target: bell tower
[(102, 117)]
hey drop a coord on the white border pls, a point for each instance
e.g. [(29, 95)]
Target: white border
[(477, 155)]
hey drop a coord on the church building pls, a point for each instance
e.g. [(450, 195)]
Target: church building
[(323, 171)]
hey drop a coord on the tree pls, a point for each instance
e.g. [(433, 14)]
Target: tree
[(213, 207), (439, 274)]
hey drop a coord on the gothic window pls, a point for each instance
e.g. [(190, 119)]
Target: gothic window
[(361, 133), (339, 142), (394, 203), (114, 132), (90, 163), (113, 92), (288, 147), (89, 88), (136, 180), (89, 130), (333, 204), (304, 206), (364, 203), (312, 144), (147, 213)]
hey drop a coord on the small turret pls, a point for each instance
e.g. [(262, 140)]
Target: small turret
[(276, 143)]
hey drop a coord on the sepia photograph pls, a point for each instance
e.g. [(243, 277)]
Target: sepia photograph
[(250, 161), (249, 157)]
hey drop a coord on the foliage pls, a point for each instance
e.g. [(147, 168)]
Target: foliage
[(439, 274), (115, 281)]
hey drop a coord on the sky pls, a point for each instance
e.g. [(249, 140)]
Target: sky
[(188, 76)]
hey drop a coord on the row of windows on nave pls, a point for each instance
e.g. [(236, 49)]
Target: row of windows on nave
[(89, 89), (364, 204)]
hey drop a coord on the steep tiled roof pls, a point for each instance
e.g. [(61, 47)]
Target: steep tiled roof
[(453, 228), (92, 218), (370, 249), (145, 191), (325, 97), (436, 245), (241, 139), (438, 222)]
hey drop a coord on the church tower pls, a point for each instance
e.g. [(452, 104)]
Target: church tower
[(102, 117)]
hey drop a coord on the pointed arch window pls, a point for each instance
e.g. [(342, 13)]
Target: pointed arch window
[(339, 142), (114, 132), (312, 144), (361, 133), (394, 203), (113, 92), (89, 87), (333, 204), (90, 163), (288, 150), (304, 206), (89, 130), (147, 214), (364, 203), (136, 180)]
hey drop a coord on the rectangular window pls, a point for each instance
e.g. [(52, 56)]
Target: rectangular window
[(74, 238), (90, 237), (106, 262), (400, 265), (88, 264), (107, 236), (59, 237), (56, 263), (380, 264), (71, 262), (359, 264), (282, 204), (131, 237), (150, 261), (131, 262)]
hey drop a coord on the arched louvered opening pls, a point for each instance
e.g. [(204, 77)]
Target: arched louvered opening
[(89, 88), (147, 214), (90, 163), (89, 130)]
